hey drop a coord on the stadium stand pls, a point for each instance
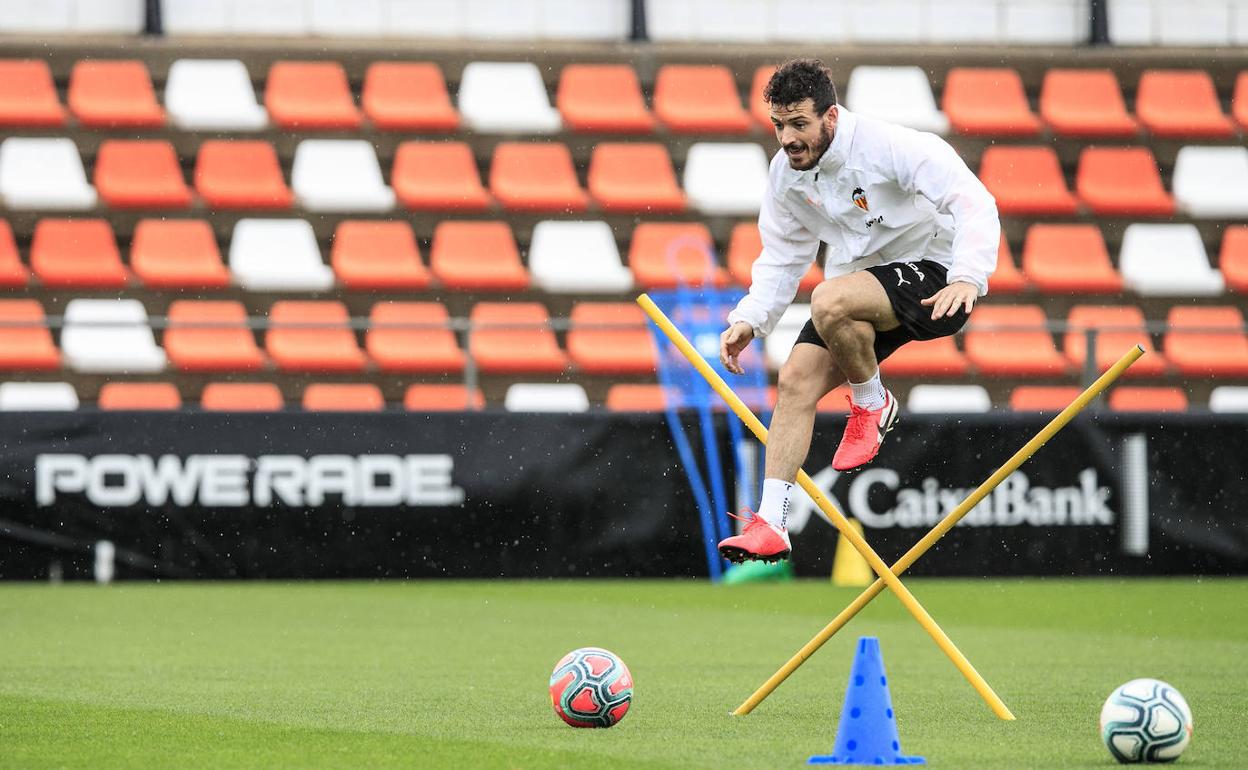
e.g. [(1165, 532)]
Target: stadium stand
[(277, 255), (477, 256), (241, 174), (1069, 259), (241, 397), (141, 396), (546, 397), (38, 174), (1212, 182), (312, 336), (1085, 104), (408, 96), (988, 102), (377, 255), (699, 99), (142, 174), (433, 397), (177, 254), (438, 176), (28, 95), (603, 98), (114, 94), (413, 337), (506, 98), (1128, 398), (76, 254), (28, 342), (577, 257), (343, 397), (109, 335), (1167, 260), (725, 178), (1122, 181), (610, 338), (514, 338), (212, 95), (306, 95), (665, 255), (211, 336), (896, 94), (339, 175), (948, 399), (634, 177), (37, 397), (536, 176)]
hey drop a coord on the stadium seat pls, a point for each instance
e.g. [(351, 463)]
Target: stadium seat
[(634, 177), (177, 254), (408, 96), (546, 397), (1012, 341), (939, 357), (699, 99), (139, 396), (1042, 398), (1118, 328), (378, 255), (1207, 341), (339, 175), (726, 179), (988, 102), (1026, 181), (1239, 100), (413, 337), (576, 257), (477, 256), (113, 94), (897, 94), (637, 397), (1233, 261), (76, 254), (744, 247), (759, 109), (143, 174), (13, 274), (1181, 104), (1229, 399), (109, 335), (506, 98), (1167, 260), (242, 174), (1007, 278), (1085, 103), (611, 338), (435, 397), (310, 95), (343, 397), (438, 176), (1123, 182), (37, 397), (241, 397), (312, 336), (1132, 399), (28, 95), (43, 175), (1212, 182), (948, 399), (533, 176), (212, 95), (664, 255), (28, 342), (1069, 259), (278, 255), (514, 338), (778, 344), (211, 336), (602, 98)]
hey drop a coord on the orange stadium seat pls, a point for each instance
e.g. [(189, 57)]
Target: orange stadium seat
[(699, 99), (28, 94), (1085, 103), (1012, 340), (13, 274), (1122, 182), (759, 109), (1043, 398), (76, 254), (1233, 262), (627, 348), (1239, 100), (372, 254), (312, 336), (478, 256), (439, 176), (928, 358), (988, 102), (343, 397), (211, 336), (413, 337), (1069, 259), (664, 255), (408, 96), (1180, 104), (602, 98), (1131, 399), (140, 174), (1007, 278), (139, 396), (114, 94), (439, 397), (1122, 326), (634, 177), (535, 176), (1026, 180), (242, 174), (28, 342), (744, 247), (1207, 341), (514, 338), (310, 95), (177, 254), (636, 397), (241, 397)]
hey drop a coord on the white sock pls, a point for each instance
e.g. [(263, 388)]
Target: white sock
[(777, 497), (869, 394)]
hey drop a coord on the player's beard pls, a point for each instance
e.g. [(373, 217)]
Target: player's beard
[(815, 152)]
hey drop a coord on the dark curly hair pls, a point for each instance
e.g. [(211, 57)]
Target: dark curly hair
[(799, 79)]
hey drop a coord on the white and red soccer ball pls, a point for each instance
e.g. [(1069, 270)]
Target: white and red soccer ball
[(591, 687)]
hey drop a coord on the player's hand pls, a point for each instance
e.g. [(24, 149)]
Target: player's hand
[(946, 302), (732, 342)]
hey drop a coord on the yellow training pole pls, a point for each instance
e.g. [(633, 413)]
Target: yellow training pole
[(836, 517), (946, 524)]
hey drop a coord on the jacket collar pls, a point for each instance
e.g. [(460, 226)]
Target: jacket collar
[(833, 158)]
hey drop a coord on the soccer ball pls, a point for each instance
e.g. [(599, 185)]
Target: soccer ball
[(1146, 720), (591, 687)]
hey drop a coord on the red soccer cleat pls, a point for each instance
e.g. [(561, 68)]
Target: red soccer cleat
[(759, 541), (864, 433)]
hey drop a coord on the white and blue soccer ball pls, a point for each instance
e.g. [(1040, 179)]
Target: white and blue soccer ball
[(1146, 720)]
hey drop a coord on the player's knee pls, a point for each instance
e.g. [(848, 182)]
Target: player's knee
[(829, 305), (798, 384)]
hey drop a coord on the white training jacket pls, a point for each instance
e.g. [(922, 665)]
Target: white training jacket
[(881, 193)]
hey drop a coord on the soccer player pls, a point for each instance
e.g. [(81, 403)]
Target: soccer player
[(911, 238)]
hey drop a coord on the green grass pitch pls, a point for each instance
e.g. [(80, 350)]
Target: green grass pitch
[(453, 674)]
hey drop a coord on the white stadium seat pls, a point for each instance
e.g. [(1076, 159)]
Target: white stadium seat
[(506, 98), (948, 399), (43, 174), (347, 18), (1229, 398), (1212, 182), (579, 20), (424, 18), (1194, 22), (212, 95), (577, 257), (1046, 22), (885, 21), (726, 178), (339, 175), (780, 342), (546, 397), (897, 94), (37, 397), (278, 255), (1167, 260), (109, 335)]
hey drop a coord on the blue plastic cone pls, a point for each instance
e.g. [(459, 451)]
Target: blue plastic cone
[(867, 734)]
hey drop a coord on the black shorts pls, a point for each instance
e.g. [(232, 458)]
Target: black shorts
[(905, 283)]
